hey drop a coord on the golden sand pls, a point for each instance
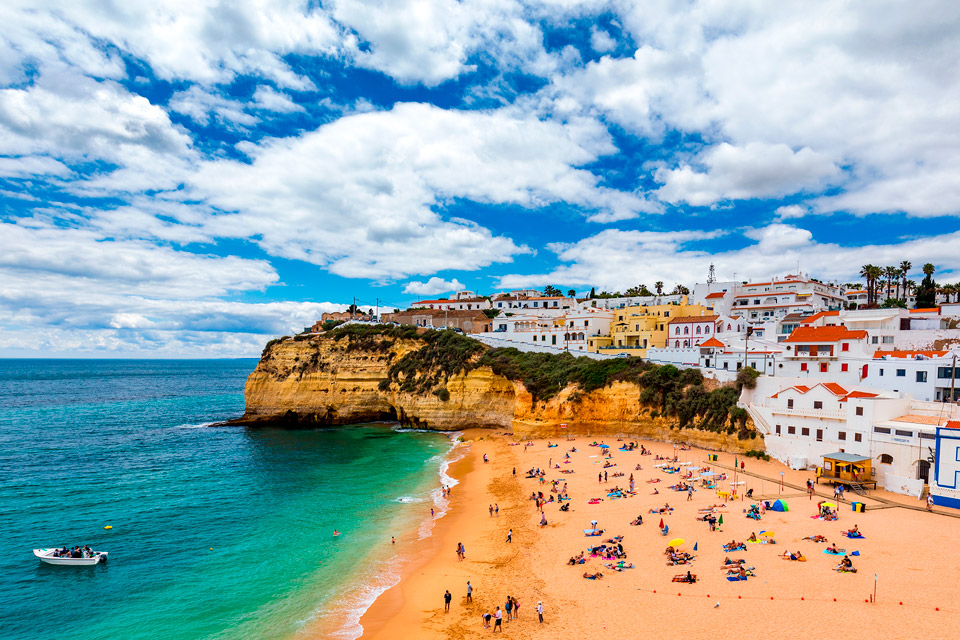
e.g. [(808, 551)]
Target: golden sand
[(912, 552)]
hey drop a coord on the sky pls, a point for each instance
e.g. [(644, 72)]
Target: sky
[(188, 178)]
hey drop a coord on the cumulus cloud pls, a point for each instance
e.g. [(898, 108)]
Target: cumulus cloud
[(200, 105), (755, 170), (433, 286), (616, 259)]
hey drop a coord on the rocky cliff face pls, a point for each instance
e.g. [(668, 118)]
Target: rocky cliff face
[(321, 381)]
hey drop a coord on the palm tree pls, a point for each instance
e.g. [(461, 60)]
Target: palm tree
[(928, 269), (905, 267), (658, 285), (891, 273), (948, 290)]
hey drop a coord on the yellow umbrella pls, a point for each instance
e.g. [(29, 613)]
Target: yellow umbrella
[(676, 542), (829, 504), (768, 534)]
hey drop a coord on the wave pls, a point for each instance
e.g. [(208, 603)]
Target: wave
[(201, 425)]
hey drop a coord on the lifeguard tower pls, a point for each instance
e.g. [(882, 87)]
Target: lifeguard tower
[(848, 469)]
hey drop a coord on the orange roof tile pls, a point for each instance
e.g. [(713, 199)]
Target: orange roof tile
[(684, 319), (909, 354), (834, 388), (934, 310), (712, 342), (953, 424), (824, 334), (801, 388), (716, 294), (859, 394), (817, 316)]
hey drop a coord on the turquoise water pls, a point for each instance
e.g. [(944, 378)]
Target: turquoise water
[(85, 444)]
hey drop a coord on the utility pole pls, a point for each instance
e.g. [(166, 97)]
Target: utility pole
[(953, 378), (353, 308), (378, 310), (746, 342)]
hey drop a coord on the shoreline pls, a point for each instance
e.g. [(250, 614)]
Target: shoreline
[(533, 568)]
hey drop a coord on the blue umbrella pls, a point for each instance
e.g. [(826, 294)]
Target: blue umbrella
[(604, 446)]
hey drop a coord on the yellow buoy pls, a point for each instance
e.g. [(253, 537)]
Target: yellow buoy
[(211, 548), (108, 527)]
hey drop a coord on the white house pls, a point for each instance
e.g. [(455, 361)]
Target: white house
[(460, 301), (568, 332), (761, 301)]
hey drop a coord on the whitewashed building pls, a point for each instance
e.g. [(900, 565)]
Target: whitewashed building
[(568, 332)]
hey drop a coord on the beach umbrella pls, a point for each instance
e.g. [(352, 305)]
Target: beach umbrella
[(676, 542), (604, 446), (830, 504), (720, 521), (767, 534), (695, 545), (661, 523), (779, 505)]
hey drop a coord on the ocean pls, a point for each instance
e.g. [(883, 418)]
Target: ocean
[(217, 532)]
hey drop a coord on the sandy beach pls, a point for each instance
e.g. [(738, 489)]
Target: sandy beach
[(911, 552)]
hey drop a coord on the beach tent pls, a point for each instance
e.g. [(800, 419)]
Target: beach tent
[(779, 505)]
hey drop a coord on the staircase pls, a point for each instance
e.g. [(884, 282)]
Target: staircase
[(858, 489)]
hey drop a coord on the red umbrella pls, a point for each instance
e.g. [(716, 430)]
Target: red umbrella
[(661, 523)]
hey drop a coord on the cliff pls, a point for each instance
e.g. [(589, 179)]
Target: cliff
[(345, 379)]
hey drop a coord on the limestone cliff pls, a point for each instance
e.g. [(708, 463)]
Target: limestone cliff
[(318, 380)]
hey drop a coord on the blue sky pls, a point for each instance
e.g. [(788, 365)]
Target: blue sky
[(188, 179)]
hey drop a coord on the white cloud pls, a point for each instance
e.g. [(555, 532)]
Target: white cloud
[(601, 41), (616, 259), (358, 195), (433, 286), (869, 87), (269, 99), (198, 104), (755, 170)]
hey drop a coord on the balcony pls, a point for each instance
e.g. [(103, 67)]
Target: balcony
[(806, 413)]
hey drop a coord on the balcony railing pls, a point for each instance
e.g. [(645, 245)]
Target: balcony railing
[(808, 413)]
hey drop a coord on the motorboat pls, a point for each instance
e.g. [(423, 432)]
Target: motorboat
[(48, 556)]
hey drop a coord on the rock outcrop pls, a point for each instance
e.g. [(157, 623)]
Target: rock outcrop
[(316, 380)]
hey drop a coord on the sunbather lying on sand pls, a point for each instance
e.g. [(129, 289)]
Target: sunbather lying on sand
[(592, 576), (816, 538)]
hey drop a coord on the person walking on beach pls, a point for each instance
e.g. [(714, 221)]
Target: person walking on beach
[(498, 619), (496, 509), (689, 493), (929, 502), (510, 535), (469, 592), (491, 511), (446, 601), (516, 608), (508, 605), (600, 478), (604, 476), (393, 540), (540, 610)]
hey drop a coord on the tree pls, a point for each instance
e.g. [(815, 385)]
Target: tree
[(905, 267), (927, 292), (572, 293), (680, 290), (658, 285), (593, 292), (891, 274), (551, 290)]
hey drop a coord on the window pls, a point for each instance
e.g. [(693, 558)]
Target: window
[(805, 431), (886, 458), (586, 323), (857, 437), (881, 372), (803, 366), (553, 339), (901, 373), (859, 411), (778, 429), (887, 339), (881, 430), (790, 403), (677, 332), (904, 433), (706, 329), (842, 435), (824, 367), (874, 340), (819, 435), (921, 376), (844, 367), (666, 314), (945, 372), (698, 330), (845, 346), (676, 344), (791, 430), (686, 331), (726, 365), (817, 404)]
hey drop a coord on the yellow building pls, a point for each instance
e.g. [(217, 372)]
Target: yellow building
[(636, 329)]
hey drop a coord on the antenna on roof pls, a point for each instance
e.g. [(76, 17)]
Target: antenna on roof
[(712, 275)]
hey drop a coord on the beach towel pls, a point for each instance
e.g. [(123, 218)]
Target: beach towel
[(838, 552), (847, 534), (736, 578), (592, 532)]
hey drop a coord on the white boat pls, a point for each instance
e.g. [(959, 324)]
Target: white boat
[(47, 555)]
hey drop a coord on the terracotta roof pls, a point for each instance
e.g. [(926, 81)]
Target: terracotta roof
[(824, 334), (935, 310), (953, 424), (712, 342), (847, 293), (834, 388), (685, 319), (859, 394), (716, 294), (915, 419), (909, 354), (801, 388), (817, 316)]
